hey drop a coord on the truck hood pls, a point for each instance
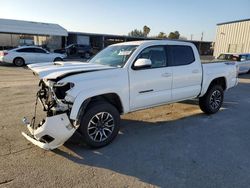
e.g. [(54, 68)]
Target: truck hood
[(58, 70)]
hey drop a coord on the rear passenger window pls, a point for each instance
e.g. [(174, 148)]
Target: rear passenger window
[(156, 54), (26, 50), (181, 55)]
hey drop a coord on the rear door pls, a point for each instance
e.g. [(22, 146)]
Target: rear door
[(27, 54), (151, 86), (187, 72)]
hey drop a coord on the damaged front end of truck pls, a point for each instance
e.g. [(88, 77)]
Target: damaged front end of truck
[(56, 128), (59, 88)]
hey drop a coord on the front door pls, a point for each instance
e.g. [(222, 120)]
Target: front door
[(151, 86), (42, 55)]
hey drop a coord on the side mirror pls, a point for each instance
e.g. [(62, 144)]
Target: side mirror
[(142, 64)]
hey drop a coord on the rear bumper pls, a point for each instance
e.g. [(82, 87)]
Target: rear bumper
[(1, 59), (51, 134)]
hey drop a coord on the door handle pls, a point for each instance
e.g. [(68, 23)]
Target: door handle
[(166, 74), (195, 71), (146, 91)]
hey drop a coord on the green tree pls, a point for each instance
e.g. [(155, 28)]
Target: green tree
[(140, 33), (174, 35), (146, 30), (162, 35), (136, 33)]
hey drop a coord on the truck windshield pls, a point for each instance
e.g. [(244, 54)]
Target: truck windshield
[(115, 56)]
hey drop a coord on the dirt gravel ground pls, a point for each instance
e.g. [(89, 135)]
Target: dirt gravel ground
[(169, 146)]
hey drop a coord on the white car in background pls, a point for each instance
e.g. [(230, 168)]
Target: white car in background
[(242, 59), (29, 54)]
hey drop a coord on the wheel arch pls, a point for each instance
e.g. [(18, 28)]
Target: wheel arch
[(221, 81), (55, 59), (112, 98), (216, 81), (18, 57)]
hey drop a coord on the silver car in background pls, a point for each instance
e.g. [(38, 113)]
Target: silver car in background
[(242, 59)]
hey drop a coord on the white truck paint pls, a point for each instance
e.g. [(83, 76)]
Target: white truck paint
[(147, 77)]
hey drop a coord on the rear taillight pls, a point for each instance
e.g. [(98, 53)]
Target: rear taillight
[(3, 53)]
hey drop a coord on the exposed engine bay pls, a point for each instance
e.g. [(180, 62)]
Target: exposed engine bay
[(52, 97), (56, 128)]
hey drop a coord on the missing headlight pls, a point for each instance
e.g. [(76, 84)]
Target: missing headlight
[(60, 89)]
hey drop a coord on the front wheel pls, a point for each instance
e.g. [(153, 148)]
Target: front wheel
[(100, 124), (212, 101), (58, 59)]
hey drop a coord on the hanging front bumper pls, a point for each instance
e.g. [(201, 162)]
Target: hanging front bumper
[(51, 134)]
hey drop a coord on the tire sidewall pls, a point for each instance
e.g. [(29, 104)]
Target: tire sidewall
[(19, 65), (209, 94), (92, 111)]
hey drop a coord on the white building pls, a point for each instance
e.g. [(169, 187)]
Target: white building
[(17, 32), (233, 37)]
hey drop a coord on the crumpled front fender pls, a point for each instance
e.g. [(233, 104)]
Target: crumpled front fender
[(52, 133)]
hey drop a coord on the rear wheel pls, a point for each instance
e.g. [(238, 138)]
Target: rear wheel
[(19, 62), (100, 124), (212, 101)]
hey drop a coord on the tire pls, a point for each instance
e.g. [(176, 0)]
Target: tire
[(100, 132), (212, 101), (58, 59), (19, 62)]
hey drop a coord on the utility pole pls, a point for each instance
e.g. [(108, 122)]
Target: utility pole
[(191, 36), (202, 34)]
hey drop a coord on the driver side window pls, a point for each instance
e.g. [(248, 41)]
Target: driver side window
[(156, 54)]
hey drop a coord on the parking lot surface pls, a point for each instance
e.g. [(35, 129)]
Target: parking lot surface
[(169, 146)]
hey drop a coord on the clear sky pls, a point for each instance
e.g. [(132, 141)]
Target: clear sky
[(122, 16)]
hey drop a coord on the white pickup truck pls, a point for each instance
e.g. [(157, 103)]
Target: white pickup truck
[(122, 78)]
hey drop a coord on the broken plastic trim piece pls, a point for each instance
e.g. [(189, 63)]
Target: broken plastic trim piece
[(36, 142), (57, 127)]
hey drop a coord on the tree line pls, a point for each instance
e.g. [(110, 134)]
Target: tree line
[(146, 30)]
